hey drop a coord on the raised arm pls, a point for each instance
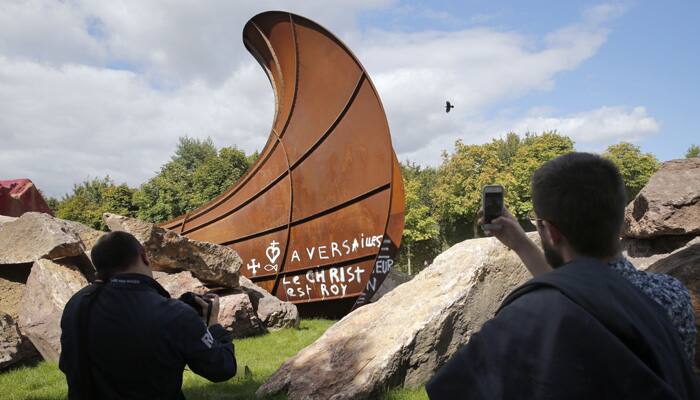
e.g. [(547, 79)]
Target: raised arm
[(512, 235)]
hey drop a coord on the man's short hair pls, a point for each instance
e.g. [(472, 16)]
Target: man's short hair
[(583, 195), (115, 252)]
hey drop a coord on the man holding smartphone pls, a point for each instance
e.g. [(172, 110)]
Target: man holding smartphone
[(581, 328), (125, 338)]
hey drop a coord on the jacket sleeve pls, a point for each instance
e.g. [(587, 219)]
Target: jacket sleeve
[(208, 352)]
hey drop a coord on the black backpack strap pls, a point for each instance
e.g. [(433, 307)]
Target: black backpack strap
[(84, 367)]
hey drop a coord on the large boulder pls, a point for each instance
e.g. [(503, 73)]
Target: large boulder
[(36, 235), (237, 315), (409, 333), (179, 283), (13, 346), (168, 251), (49, 287), (669, 204), (684, 265), (273, 312), (86, 234), (645, 252), (5, 219), (393, 279), (245, 311)]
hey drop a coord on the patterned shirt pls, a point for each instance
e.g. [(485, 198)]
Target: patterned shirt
[(668, 292)]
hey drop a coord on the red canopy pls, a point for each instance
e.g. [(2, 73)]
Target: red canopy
[(18, 196)]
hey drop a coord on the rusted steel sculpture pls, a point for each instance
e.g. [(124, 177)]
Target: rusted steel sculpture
[(319, 216)]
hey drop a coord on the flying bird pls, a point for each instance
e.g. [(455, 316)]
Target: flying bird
[(448, 106)]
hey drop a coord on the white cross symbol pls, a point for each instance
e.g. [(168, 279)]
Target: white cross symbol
[(254, 266)]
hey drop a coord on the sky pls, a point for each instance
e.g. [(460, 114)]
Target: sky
[(89, 89)]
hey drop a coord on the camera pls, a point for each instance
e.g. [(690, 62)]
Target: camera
[(189, 299)]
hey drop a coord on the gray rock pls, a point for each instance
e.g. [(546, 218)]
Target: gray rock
[(645, 252), (273, 312), (237, 315), (86, 234), (5, 219), (669, 204), (684, 265), (168, 251), (36, 235), (14, 347), (391, 282), (179, 283), (49, 287), (409, 333)]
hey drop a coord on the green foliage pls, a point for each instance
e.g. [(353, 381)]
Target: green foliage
[(52, 202), (191, 152), (217, 173), (509, 162), (196, 174), (419, 225), (533, 152), (693, 151), (461, 176), (636, 168), (93, 197), (261, 354)]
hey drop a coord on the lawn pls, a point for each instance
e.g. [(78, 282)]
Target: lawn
[(262, 355)]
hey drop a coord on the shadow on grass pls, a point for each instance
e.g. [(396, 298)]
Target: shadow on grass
[(28, 363), (236, 388)]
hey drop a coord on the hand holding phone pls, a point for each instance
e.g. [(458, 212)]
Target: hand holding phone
[(492, 204)]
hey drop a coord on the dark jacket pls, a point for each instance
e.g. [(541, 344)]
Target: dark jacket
[(579, 332), (140, 341)]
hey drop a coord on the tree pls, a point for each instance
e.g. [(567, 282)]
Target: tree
[(693, 151), (93, 197), (419, 224), (457, 192), (533, 152), (191, 152), (195, 174), (636, 168), (217, 173)]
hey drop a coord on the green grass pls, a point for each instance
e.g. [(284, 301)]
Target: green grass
[(263, 355)]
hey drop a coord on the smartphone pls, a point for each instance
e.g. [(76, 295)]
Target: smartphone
[(492, 203)]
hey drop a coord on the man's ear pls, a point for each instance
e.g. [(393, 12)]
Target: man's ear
[(553, 233), (144, 258)]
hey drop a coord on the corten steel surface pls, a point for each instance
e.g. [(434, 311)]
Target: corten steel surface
[(319, 216)]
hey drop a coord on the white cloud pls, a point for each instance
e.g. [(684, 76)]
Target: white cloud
[(77, 121), (596, 127), (474, 69), (68, 114)]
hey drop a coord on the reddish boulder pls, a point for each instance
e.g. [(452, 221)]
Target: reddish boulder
[(18, 196)]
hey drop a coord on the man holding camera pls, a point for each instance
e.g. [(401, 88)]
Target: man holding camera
[(582, 328), (124, 337)]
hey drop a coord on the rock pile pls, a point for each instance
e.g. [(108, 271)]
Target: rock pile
[(170, 252), (408, 333), (662, 228), (45, 260)]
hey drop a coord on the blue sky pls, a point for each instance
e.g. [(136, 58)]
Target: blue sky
[(104, 88), (651, 57)]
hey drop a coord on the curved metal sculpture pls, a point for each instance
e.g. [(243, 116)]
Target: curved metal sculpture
[(319, 216)]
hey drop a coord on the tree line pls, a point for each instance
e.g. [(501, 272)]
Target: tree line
[(195, 174), (441, 202)]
